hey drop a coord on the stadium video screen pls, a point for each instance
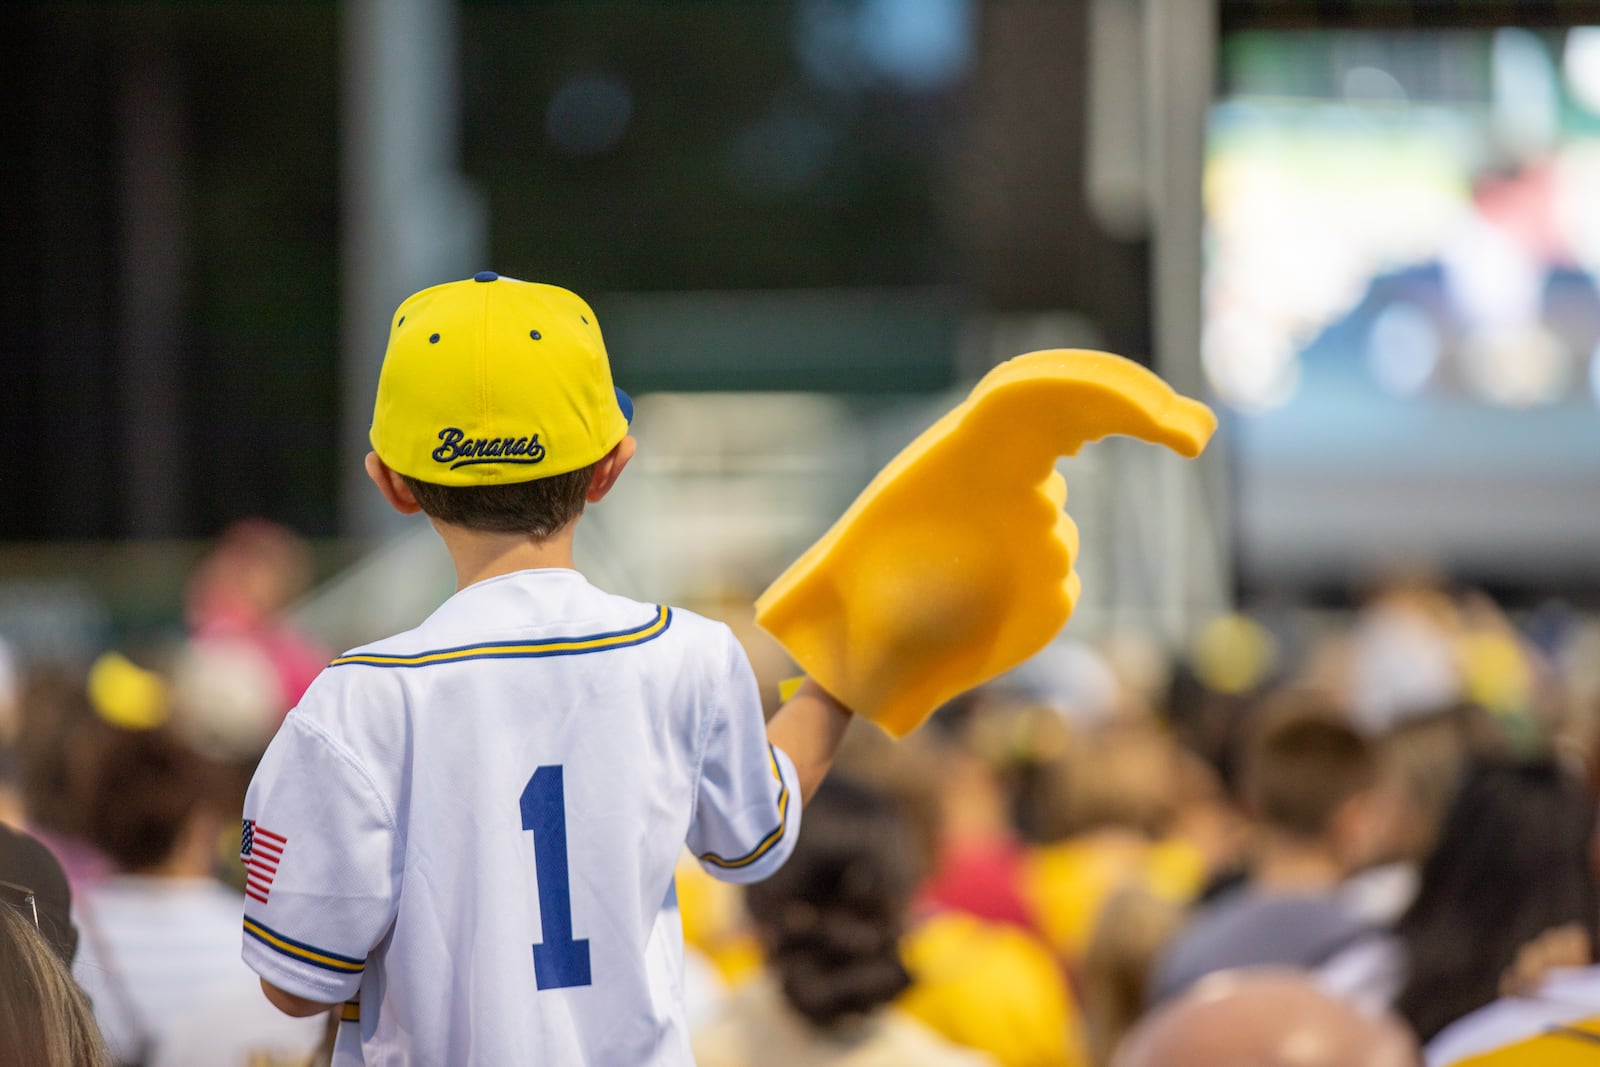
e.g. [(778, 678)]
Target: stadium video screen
[(1402, 318)]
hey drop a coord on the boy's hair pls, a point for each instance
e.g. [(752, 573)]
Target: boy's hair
[(1303, 768), (536, 508)]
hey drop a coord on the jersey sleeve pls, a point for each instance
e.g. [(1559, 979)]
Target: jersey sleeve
[(323, 857), (747, 799)]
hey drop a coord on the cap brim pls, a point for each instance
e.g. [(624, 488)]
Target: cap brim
[(625, 402)]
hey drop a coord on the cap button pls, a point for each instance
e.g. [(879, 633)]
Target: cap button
[(485, 276)]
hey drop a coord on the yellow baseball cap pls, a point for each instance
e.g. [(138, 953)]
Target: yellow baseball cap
[(493, 380)]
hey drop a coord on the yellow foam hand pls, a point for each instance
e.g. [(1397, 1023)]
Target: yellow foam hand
[(956, 563)]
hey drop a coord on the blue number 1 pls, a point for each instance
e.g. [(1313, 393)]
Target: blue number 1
[(560, 961)]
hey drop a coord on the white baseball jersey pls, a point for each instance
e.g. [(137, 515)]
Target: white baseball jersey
[(467, 832)]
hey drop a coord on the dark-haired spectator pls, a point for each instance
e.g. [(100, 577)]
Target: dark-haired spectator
[(1512, 862), (160, 945), (59, 734), (1548, 1011), (1312, 784), (45, 1019), (831, 921), (28, 866)]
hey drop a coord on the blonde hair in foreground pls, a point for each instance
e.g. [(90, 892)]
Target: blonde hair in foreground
[(45, 1019)]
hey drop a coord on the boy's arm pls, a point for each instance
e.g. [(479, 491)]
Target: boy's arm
[(290, 1004), (808, 729), (749, 791), (322, 854)]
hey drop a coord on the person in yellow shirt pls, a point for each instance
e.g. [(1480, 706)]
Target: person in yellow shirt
[(994, 987)]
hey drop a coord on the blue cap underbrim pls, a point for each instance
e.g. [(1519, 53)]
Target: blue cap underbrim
[(625, 402)]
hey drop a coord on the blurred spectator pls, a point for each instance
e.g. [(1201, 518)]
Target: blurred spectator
[(831, 921), (238, 593), (1135, 927), (1423, 761), (1578, 663), (1265, 1018), (1213, 687), (1107, 809), (1074, 680), (28, 865), (978, 858), (60, 733), (1403, 661), (992, 987), (160, 950), (226, 699), (988, 985), (1311, 783), (1512, 862), (45, 1019)]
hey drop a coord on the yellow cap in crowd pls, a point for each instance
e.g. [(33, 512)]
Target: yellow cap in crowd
[(492, 380)]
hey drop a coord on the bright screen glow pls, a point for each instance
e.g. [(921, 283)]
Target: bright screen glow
[(1402, 313)]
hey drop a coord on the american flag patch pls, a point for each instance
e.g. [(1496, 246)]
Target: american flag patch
[(260, 851)]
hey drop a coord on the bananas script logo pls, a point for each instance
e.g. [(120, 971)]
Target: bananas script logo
[(459, 450)]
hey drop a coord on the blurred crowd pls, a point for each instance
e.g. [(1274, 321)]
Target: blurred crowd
[(1387, 812), (1375, 825), (130, 771)]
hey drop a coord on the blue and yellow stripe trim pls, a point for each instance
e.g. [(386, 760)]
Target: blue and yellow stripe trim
[(299, 950), (555, 646), (350, 1011), (765, 844)]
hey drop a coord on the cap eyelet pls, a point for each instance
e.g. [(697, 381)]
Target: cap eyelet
[(534, 334), (434, 339), (401, 323), (585, 319)]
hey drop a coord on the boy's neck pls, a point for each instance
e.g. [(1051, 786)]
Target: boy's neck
[(479, 555)]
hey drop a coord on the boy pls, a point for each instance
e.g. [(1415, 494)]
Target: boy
[(465, 834)]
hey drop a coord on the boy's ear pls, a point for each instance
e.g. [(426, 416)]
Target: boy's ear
[(609, 469), (391, 485)]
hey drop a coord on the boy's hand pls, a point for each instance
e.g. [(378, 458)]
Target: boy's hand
[(956, 563)]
